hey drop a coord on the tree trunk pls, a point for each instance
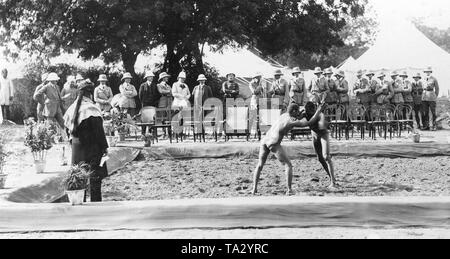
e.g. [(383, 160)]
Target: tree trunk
[(129, 60)]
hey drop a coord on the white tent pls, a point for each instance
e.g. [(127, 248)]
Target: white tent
[(401, 46), (240, 61)]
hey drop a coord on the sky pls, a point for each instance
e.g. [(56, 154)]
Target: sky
[(434, 13)]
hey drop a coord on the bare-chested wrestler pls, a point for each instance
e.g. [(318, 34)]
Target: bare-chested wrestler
[(272, 141), (321, 140)]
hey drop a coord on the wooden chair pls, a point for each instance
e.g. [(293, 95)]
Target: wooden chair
[(212, 124), (147, 118), (334, 115), (404, 115), (357, 118), (163, 120), (237, 122)]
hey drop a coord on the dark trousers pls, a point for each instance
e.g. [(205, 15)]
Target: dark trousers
[(427, 108), (418, 113), (5, 112), (95, 187)]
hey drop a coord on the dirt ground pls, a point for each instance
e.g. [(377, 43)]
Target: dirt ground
[(149, 179)]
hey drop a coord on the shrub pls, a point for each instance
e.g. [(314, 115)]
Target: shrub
[(77, 178)]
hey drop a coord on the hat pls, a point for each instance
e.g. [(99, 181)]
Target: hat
[(418, 75), (394, 73), (278, 72), (53, 77), (258, 74), (296, 70), (382, 74), (79, 77), (370, 73), (318, 70), (340, 73), (202, 78), (103, 78), (229, 74), (404, 74), (428, 69), (182, 75), (360, 73), (127, 76), (44, 77), (163, 75), (149, 74), (86, 85), (328, 71)]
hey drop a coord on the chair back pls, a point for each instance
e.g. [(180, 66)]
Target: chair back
[(148, 115), (404, 112), (237, 118), (357, 113)]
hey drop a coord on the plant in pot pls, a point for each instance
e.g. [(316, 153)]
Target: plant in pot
[(76, 182), (40, 137), (109, 130), (121, 122), (3, 156)]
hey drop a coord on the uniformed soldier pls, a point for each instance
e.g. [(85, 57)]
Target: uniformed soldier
[(430, 96), (332, 96), (373, 86), (230, 88), (298, 88), (342, 89), (256, 88), (407, 91), (318, 86), (362, 90), (384, 91), (397, 87), (417, 94), (280, 88)]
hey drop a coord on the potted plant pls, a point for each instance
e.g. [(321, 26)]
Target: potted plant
[(40, 137), (3, 156), (76, 182), (121, 123)]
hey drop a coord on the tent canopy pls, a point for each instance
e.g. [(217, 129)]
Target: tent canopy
[(241, 61), (401, 46)]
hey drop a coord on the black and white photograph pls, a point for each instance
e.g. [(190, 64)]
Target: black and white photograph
[(225, 120)]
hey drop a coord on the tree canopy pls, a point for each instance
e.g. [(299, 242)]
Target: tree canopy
[(119, 30)]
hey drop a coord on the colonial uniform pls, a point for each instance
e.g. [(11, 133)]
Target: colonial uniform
[(430, 96), (51, 95), (6, 95), (256, 89), (103, 96), (397, 87), (88, 139), (230, 90), (40, 101), (69, 94), (384, 91), (362, 90), (201, 93), (332, 96), (417, 94), (181, 93), (165, 91), (342, 89), (298, 91), (318, 86), (128, 92), (280, 88)]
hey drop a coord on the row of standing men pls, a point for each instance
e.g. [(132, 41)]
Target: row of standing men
[(419, 94)]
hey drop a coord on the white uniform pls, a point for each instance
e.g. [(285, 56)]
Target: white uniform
[(6, 91)]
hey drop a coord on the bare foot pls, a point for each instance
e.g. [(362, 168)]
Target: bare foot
[(290, 193), (333, 185), (254, 192)]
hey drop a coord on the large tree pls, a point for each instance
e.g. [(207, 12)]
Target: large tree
[(122, 29)]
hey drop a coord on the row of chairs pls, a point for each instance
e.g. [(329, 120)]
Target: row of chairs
[(242, 122)]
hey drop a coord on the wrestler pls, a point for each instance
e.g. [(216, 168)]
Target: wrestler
[(321, 140), (272, 141)]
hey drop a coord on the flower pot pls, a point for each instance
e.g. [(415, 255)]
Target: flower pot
[(416, 138), (2, 180), (40, 166), (76, 197), (112, 141)]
